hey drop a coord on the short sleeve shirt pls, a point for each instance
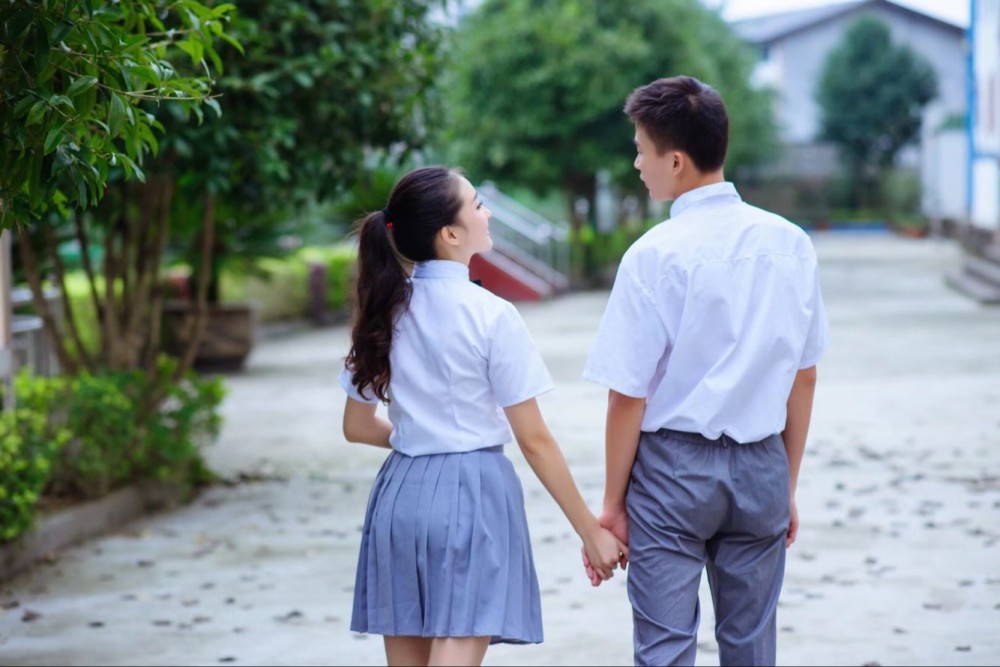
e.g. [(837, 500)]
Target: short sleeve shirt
[(711, 315), (460, 354)]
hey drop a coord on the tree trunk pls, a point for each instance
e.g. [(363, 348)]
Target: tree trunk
[(577, 186), (204, 272), (29, 260)]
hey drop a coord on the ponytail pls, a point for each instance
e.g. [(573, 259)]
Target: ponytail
[(383, 290), (422, 202)]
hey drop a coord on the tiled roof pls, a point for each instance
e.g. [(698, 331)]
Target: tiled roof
[(767, 28)]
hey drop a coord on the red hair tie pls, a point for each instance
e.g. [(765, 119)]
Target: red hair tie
[(389, 226)]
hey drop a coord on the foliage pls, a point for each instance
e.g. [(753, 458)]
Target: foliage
[(872, 94), (536, 89), (321, 85), (601, 252), (83, 84), (901, 193), (28, 445), (369, 192), (73, 77), (118, 435), (340, 261)]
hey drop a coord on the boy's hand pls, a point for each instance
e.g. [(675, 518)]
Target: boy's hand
[(793, 525), (617, 523)]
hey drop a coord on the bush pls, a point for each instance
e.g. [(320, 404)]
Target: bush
[(602, 252), (339, 261), (28, 445), (122, 430)]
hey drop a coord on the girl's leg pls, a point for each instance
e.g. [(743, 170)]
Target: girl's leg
[(407, 651), (458, 650)]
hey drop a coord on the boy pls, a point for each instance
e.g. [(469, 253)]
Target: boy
[(709, 345)]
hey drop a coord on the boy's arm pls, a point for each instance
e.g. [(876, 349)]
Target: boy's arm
[(621, 443), (800, 402)]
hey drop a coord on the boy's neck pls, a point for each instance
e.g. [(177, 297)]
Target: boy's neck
[(699, 180)]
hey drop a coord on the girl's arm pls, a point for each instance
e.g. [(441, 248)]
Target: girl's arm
[(546, 459), (361, 424)]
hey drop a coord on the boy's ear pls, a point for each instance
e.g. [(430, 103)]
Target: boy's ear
[(678, 161)]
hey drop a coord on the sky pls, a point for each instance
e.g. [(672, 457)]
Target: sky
[(955, 11)]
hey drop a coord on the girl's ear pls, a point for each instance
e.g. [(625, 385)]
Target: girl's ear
[(448, 236)]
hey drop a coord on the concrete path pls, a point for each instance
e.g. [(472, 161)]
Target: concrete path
[(898, 560)]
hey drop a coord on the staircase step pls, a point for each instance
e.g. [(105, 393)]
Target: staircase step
[(508, 279), (986, 269), (974, 286)]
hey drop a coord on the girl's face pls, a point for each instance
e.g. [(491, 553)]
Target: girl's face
[(472, 225)]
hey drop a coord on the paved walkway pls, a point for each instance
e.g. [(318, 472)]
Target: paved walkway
[(898, 560)]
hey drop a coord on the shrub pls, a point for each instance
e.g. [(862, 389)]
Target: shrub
[(339, 261), (125, 427), (28, 445)]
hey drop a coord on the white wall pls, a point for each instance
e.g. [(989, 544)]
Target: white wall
[(796, 65)]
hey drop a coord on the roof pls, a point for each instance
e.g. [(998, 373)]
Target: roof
[(772, 27)]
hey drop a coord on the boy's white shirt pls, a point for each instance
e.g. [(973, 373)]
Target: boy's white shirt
[(711, 315)]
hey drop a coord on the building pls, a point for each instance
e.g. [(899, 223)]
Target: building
[(793, 48)]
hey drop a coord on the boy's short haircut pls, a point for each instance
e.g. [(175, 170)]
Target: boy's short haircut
[(682, 113)]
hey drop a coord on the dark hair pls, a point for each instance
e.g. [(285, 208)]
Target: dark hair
[(421, 203), (682, 113)]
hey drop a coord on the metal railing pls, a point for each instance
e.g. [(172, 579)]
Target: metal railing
[(30, 345), (533, 241)]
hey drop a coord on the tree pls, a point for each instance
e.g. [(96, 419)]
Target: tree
[(79, 82), (322, 83), (536, 89), (73, 74), (872, 94)]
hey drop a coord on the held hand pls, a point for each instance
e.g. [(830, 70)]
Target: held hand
[(617, 523), (602, 552), (793, 525)]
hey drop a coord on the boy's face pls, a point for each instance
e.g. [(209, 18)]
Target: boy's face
[(658, 172)]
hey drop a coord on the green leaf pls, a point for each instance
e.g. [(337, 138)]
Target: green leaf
[(42, 47), (116, 115), (22, 107), (36, 113), (19, 22), (193, 48), (62, 100), (61, 30), (232, 42), (52, 138), (81, 84), (213, 104)]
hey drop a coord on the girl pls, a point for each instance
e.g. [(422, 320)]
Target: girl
[(446, 567)]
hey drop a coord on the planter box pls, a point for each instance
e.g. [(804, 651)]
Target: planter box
[(227, 340)]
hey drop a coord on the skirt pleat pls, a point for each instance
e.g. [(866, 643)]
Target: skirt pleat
[(445, 551)]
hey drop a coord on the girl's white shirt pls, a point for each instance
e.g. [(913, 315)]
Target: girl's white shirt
[(460, 354)]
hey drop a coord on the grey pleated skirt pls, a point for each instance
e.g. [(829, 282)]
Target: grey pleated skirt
[(445, 551)]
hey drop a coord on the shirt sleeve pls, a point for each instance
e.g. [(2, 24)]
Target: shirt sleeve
[(346, 377), (816, 340), (631, 339), (516, 370)]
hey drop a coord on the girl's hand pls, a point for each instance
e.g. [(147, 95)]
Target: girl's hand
[(602, 552)]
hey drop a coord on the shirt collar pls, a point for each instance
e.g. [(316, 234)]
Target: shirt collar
[(716, 193), (441, 268)]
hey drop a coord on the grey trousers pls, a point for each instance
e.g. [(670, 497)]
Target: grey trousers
[(692, 503)]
